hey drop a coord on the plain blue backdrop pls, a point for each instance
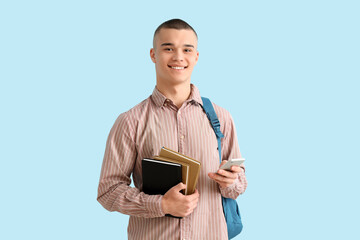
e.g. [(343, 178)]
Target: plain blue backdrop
[(288, 71)]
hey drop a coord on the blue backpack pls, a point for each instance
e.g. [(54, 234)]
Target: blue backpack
[(230, 207)]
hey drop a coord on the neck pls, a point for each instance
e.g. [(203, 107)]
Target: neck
[(178, 94)]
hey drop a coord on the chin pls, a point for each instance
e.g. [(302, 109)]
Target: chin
[(180, 80)]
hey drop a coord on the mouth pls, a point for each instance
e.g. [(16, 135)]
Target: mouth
[(177, 67)]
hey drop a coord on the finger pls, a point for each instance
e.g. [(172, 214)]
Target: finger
[(216, 177), (193, 196), (227, 174), (213, 176), (224, 184), (193, 204), (236, 169), (221, 179), (196, 196), (192, 208)]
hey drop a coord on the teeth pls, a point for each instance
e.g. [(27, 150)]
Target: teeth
[(178, 68)]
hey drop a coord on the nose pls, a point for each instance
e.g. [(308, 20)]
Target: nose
[(178, 55)]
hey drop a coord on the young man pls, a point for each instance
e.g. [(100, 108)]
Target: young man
[(173, 117)]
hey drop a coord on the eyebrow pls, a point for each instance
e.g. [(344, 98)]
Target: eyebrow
[(171, 44)]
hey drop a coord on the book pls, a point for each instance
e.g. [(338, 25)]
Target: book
[(160, 176), (194, 165), (185, 168)]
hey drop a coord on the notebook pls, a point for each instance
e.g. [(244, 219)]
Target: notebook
[(185, 169), (193, 164), (160, 176)]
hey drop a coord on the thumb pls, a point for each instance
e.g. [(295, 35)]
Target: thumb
[(223, 162), (179, 187)]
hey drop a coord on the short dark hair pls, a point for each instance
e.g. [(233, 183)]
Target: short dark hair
[(175, 23)]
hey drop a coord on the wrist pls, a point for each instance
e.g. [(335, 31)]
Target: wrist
[(164, 205)]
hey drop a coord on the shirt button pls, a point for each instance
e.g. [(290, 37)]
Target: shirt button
[(182, 136), (165, 104)]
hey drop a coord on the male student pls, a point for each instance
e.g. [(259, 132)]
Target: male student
[(172, 117)]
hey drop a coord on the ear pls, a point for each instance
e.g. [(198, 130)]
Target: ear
[(197, 57), (152, 55)]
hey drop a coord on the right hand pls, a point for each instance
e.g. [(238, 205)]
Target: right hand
[(177, 204)]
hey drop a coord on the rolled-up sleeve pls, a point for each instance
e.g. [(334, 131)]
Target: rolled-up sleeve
[(237, 188)]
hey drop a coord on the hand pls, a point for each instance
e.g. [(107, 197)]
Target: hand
[(225, 178), (177, 204)]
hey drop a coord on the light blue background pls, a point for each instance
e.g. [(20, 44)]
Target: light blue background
[(288, 72)]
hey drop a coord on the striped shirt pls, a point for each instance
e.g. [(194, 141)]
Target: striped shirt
[(140, 133)]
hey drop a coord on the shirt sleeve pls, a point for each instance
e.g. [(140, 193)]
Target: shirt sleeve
[(229, 150), (114, 191)]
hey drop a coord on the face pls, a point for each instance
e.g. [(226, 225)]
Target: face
[(175, 55)]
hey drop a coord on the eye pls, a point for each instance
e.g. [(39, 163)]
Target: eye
[(187, 50), (168, 49)]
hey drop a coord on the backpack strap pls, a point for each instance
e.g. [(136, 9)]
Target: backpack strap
[(230, 207), (214, 121)]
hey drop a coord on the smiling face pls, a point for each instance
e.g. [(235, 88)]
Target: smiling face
[(175, 55)]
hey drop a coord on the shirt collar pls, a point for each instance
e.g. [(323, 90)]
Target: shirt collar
[(159, 99)]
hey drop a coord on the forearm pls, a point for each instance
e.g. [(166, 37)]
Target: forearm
[(128, 200)]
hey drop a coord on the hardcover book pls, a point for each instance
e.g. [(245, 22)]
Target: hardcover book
[(193, 164), (185, 168), (160, 176)]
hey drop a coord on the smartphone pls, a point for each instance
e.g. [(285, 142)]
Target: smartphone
[(232, 162)]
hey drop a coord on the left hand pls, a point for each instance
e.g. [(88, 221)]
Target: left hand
[(225, 178)]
